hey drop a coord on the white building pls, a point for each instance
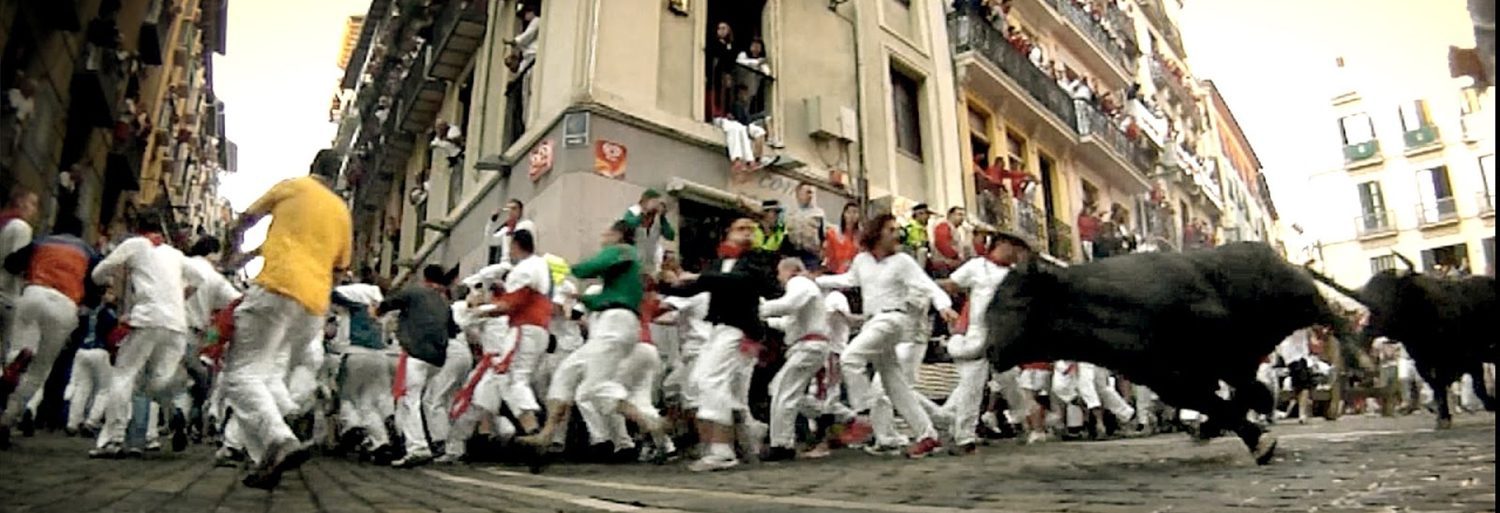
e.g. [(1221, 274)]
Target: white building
[(1418, 179)]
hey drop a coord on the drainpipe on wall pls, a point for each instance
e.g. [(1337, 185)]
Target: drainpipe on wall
[(862, 185)]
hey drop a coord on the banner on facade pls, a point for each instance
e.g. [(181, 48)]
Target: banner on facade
[(541, 160), (610, 158)]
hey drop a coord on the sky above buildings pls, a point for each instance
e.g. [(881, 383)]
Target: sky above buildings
[(1273, 61)]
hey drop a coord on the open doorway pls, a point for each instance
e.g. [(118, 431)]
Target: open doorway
[(736, 87)]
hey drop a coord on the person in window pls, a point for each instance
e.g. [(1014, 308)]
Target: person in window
[(526, 40), (754, 57), (841, 242), (744, 136), (721, 57)]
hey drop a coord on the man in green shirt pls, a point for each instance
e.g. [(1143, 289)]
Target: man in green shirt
[(592, 373)]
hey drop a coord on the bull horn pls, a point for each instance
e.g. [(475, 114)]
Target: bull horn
[(1410, 267), (1346, 291)]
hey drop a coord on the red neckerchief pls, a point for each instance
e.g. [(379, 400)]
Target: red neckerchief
[(728, 250), (1000, 262), (156, 238), (8, 215)]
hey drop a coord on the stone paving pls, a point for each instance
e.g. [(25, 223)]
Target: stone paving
[(1354, 464)]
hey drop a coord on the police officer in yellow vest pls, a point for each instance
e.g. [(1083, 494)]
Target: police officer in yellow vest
[(916, 230), (770, 232)]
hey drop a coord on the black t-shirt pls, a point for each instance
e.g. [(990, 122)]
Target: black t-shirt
[(425, 322)]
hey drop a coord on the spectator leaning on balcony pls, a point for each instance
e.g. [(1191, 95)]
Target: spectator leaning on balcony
[(1088, 227), (526, 40)]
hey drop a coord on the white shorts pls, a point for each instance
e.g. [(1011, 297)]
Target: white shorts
[(1035, 380)]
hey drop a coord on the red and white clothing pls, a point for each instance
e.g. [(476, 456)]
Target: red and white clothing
[(528, 289), (807, 351), (952, 245), (500, 234)]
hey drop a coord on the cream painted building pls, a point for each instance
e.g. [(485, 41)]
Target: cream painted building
[(1418, 179), (618, 99), (1138, 136)]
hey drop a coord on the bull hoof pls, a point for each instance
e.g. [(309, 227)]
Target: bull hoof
[(1445, 424), (1264, 449)]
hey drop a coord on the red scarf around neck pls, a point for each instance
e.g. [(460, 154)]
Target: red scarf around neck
[(729, 250)]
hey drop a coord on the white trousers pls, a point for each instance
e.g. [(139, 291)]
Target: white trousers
[(365, 394), (722, 373), (302, 381), (152, 354), (87, 387), (410, 407), (679, 382), (638, 373), (43, 320), (613, 334), (564, 387), (968, 398), (1095, 391), (525, 362), (876, 345), (267, 328), (789, 388), (739, 138)]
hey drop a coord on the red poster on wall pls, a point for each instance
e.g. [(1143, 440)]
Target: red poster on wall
[(541, 160), (609, 158)]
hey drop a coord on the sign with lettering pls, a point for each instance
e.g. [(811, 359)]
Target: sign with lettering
[(541, 160), (610, 158)]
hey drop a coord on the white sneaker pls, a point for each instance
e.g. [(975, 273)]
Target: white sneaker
[(448, 458), (1035, 437), (753, 438), (990, 421), (712, 463)]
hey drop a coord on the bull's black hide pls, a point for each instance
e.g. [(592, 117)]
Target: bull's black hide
[(1446, 325), (1176, 322)]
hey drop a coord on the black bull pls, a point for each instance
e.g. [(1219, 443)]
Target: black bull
[(1447, 325), (1178, 323)]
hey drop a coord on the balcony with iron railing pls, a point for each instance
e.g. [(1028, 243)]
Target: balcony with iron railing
[(1362, 154), (1156, 14), (1423, 139), (457, 34), (1132, 158), (1059, 239), (96, 86), (1095, 35), (1439, 212), (1486, 204), (1164, 77), (1374, 224), (1030, 221), (420, 96), (976, 40)]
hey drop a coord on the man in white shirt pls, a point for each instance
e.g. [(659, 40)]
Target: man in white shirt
[(1293, 353), (807, 349), (156, 278), (981, 277), (15, 233), (884, 276), (501, 233)]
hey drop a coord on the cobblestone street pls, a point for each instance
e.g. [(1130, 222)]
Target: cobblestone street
[(1355, 464)]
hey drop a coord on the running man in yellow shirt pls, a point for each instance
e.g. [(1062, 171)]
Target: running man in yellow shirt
[(309, 241)]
